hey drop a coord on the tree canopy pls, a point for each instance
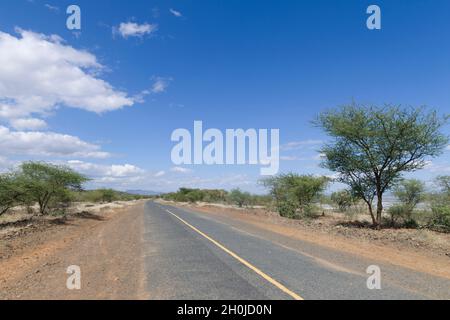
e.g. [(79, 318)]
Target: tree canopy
[(46, 182), (293, 192), (373, 146)]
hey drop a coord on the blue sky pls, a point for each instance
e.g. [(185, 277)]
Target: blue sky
[(231, 64)]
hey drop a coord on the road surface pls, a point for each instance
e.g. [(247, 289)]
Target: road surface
[(190, 255)]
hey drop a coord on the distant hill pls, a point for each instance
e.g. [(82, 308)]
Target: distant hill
[(143, 192)]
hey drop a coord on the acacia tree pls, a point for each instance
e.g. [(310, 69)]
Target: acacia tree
[(11, 192), (45, 183), (373, 146)]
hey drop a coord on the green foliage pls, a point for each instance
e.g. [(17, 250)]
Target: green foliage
[(292, 192), (235, 196), (240, 198), (196, 195), (343, 199), (443, 183), (402, 213), (440, 219), (104, 196), (373, 146), (410, 192), (48, 184), (11, 192), (52, 187)]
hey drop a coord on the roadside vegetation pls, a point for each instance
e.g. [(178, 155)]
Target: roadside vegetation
[(234, 197), (47, 189), (370, 149)]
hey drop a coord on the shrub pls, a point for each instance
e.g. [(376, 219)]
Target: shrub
[(410, 193), (440, 218), (292, 192), (404, 214), (343, 199), (240, 198)]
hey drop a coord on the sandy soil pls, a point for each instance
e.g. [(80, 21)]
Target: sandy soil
[(104, 242), (421, 250)]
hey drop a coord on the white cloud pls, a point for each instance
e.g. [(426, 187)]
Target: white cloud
[(448, 147), (176, 13), (291, 158), (5, 164), (28, 124), (180, 170), (105, 171), (52, 8), (295, 145), (437, 167), (38, 73), (160, 85), (46, 144), (132, 29), (160, 174)]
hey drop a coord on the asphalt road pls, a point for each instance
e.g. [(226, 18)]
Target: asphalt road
[(190, 255)]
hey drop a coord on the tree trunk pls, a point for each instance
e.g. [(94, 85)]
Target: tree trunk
[(379, 209), (374, 222)]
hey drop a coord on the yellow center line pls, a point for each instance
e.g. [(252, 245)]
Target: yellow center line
[(244, 262)]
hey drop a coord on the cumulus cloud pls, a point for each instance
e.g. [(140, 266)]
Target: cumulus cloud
[(132, 29), (46, 144), (28, 124), (176, 13), (448, 147), (38, 73), (180, 170), (295, 145), (103, 171)]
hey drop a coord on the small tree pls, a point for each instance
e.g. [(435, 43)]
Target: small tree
[(440, 219), (410, 193), (443, 183), (108, 195), (239, 197), (11, 192), (343, 199), (47, 183), (293, 192), (373, 146)]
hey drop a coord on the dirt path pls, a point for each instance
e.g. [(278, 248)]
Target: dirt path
[(106, 246)]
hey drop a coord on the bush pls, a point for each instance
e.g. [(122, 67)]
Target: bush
[(410, 193), (292, 193), (343, 199), (240, 198), (440, 219), (287, 208), (403, 214)]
